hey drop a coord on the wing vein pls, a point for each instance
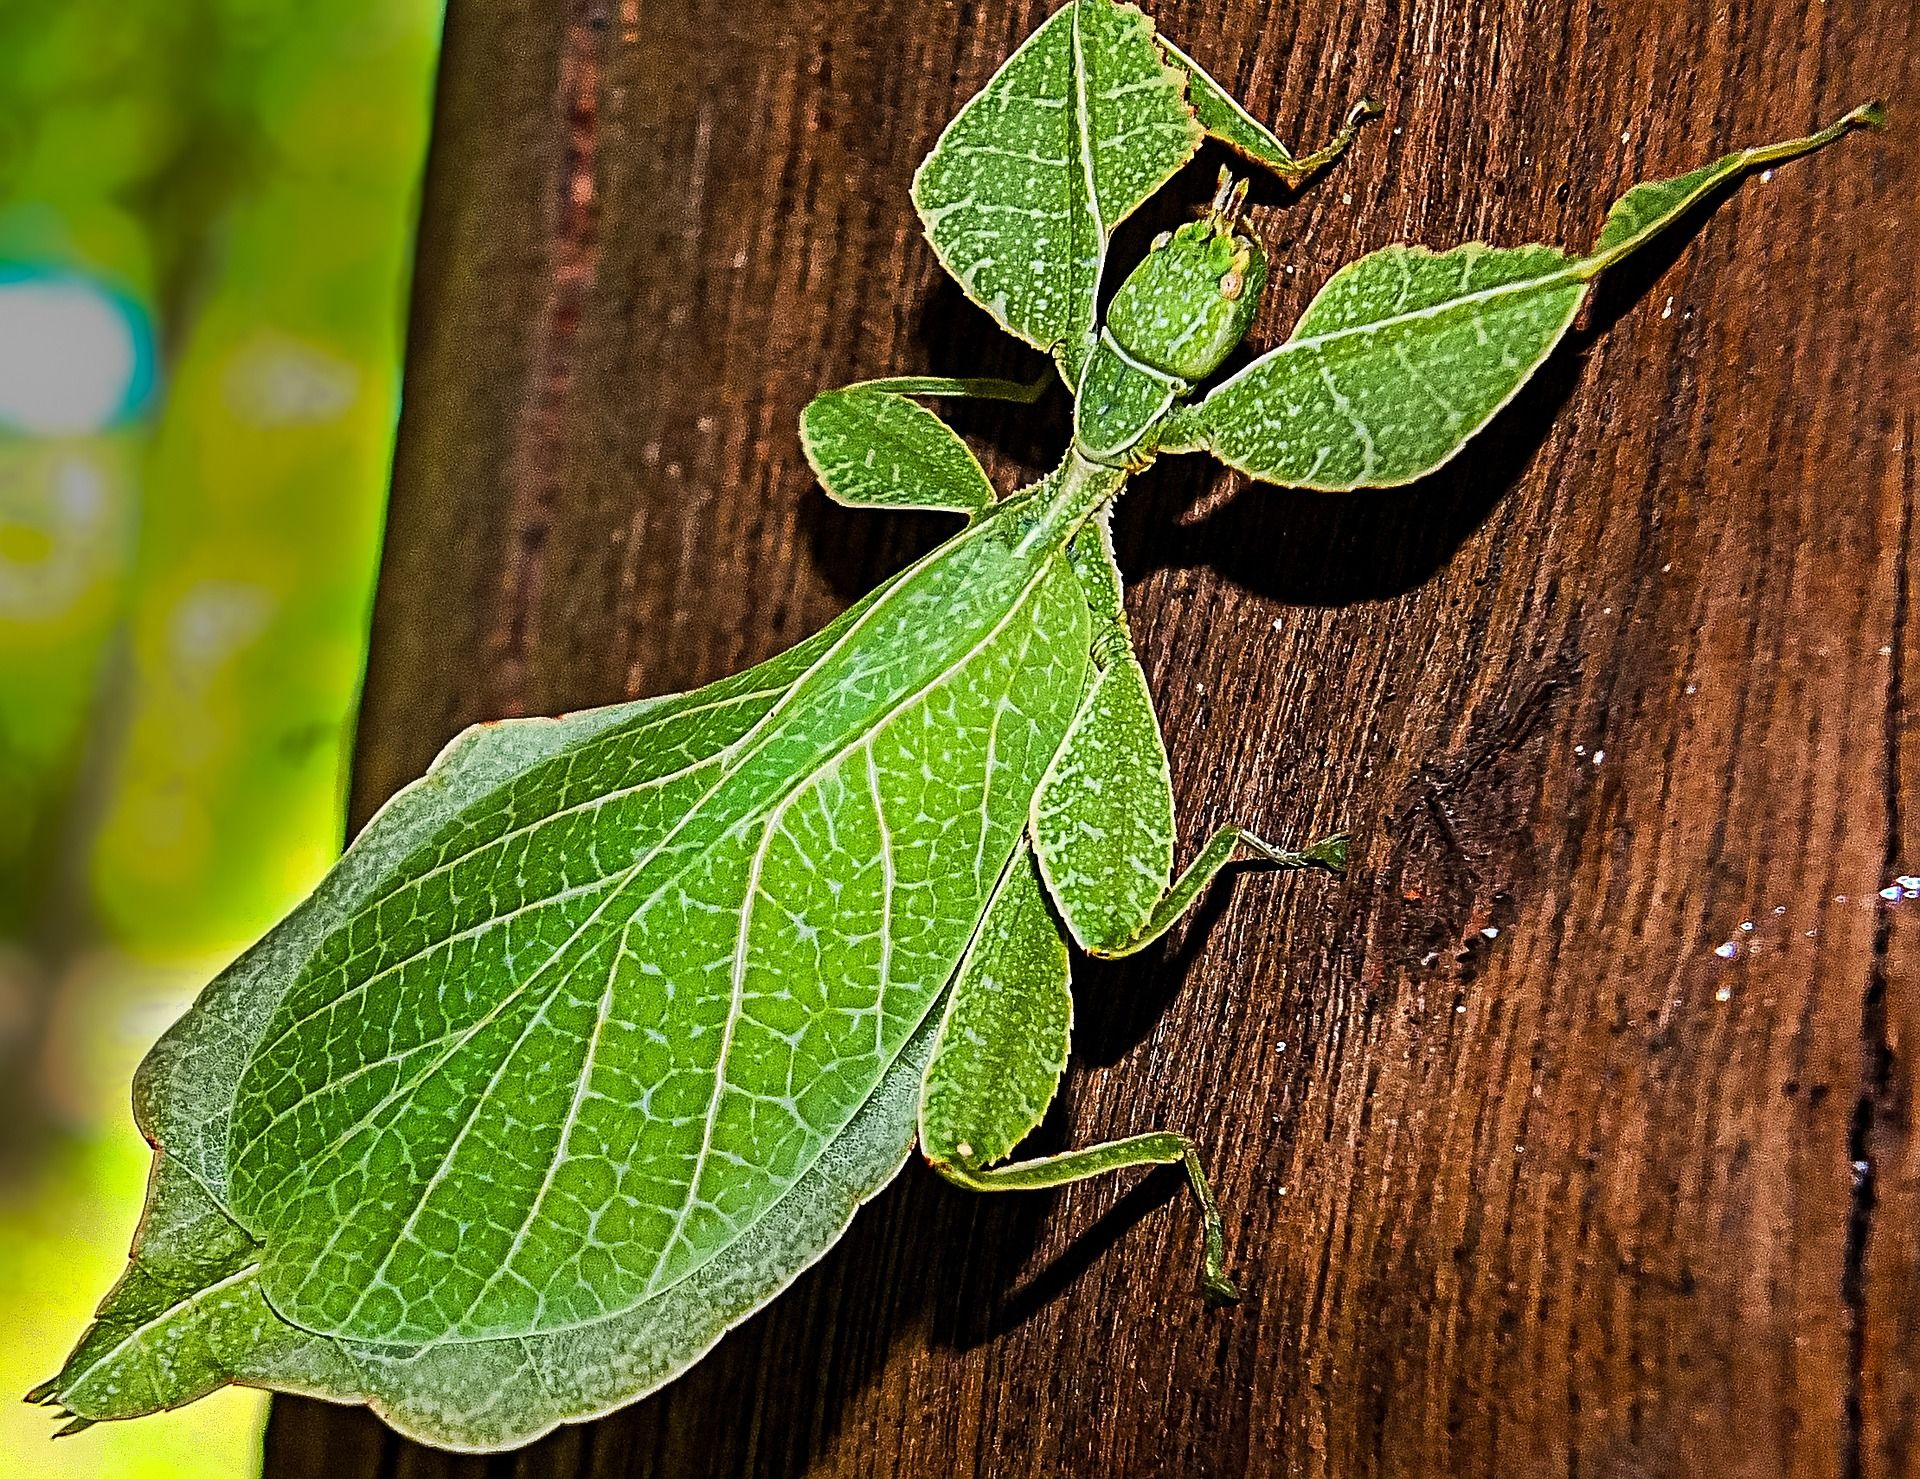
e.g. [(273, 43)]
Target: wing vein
[(587, 1059), (880, 726), (471, 1119), (886, 905), (738, 985)]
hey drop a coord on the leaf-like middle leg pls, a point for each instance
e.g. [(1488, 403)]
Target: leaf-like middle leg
[(1001, 1052), (1329, 853), (1103, 817)]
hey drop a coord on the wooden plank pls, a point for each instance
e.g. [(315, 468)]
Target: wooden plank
[(1522, 1175)]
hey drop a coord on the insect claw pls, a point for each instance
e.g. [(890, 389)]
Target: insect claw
[(1219, 1288)]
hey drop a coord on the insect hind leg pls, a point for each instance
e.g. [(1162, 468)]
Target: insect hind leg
[(1156, 1148)]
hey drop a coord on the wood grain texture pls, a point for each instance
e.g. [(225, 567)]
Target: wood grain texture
[(1578, 1197)]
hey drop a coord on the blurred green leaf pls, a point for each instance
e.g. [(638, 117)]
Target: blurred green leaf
[(183, 593)]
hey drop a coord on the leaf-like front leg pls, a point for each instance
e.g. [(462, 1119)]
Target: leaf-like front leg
[(998, 1060), (1405, 354), (1222, 116), (1024, 189), (871, 447)]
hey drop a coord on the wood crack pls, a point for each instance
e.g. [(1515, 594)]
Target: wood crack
[(1872, 1103), (540, 442)]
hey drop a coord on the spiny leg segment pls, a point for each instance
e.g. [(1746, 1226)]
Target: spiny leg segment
[(1221, 849), (1155, 1148)]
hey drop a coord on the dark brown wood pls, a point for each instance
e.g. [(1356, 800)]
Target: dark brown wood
[(1522, 1177)]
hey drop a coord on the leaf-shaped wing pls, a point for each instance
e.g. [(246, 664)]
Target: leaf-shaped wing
[(1023, 190), (602, 1022), (188, 1314), (1405, 354), (875, 448), (176, 1327)]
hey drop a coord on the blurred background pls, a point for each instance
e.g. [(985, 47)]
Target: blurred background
[(206, 209)]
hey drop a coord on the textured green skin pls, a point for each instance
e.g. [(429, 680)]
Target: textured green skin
[(1191, 300), (877, 449), (1120, 400), (1177, 315), (603, 1029)]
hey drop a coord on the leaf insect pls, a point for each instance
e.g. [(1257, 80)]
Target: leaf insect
[(604, 1028)]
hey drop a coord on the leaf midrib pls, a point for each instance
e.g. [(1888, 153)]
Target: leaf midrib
[(1558, 278)]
